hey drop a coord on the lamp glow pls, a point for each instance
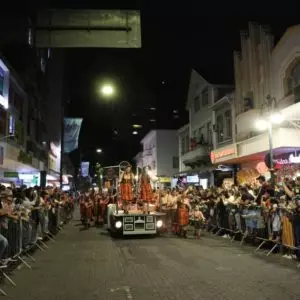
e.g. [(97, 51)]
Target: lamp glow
[(277, 118), (99, 150), (261, 124), (107, 90), (134, 132)]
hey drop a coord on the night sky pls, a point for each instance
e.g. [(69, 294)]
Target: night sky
[(174, 40)]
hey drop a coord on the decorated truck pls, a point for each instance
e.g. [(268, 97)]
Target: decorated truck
[(134, 220)]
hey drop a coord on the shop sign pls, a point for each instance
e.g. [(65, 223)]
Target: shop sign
[(11, 175), (291, 158), (215, 155), (164, 179)]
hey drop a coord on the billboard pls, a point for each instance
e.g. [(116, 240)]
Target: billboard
[(71, 134)]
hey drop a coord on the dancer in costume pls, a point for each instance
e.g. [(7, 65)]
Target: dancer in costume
[(126, 188), (145, 187)]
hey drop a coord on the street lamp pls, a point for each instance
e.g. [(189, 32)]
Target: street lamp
[(266, 121), (107, 90), (99, 150)]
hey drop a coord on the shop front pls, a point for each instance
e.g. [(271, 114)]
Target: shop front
[(15, 164), (250, 156), (225, 164)]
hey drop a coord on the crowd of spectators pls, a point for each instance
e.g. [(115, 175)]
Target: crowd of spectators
[(29, 216)]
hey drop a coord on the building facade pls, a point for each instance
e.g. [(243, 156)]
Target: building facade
[(32, 105), (160, 153), (267, 82), (210, 126)]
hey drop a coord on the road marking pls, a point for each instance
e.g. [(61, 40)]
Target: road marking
[(126, 289)]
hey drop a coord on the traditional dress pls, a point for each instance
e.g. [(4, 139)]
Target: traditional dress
[(126, 187), (146, 188)]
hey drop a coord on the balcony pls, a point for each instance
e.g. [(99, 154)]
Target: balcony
[(198, 155)]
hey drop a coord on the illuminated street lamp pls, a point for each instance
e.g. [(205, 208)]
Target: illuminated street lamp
[(107, 90), (134, 132), (99, 150), (266, 122)]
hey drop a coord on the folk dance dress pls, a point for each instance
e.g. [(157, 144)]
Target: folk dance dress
[(126, 186), (146, 189)]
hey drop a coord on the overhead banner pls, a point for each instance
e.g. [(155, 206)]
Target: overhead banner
[(85, 165), (71, 134)]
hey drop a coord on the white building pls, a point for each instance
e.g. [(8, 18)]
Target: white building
[(210, 125), (160, 153), (264, 72)]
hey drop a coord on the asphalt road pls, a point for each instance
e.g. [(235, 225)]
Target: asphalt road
[(90, 265)]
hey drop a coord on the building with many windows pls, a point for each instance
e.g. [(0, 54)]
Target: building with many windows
[(210, 126), (267, 85), (160, 153), (33, 101)]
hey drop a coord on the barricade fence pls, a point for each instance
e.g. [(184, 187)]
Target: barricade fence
[(24, 234), (278, 227)]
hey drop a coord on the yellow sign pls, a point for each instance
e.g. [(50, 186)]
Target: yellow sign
[(165, 179)]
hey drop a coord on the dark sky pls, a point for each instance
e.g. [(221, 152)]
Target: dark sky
[(175, 38)]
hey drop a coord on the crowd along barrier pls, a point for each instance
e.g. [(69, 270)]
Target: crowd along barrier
[(275, 228), (26, 235)]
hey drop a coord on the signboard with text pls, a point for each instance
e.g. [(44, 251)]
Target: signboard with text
[(223, 153)]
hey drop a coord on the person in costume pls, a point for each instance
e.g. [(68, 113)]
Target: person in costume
[(145, 187), (126, 188)]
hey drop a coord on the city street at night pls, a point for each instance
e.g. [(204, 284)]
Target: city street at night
[(91, 265)]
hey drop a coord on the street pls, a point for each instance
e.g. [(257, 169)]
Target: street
[(91, 265)]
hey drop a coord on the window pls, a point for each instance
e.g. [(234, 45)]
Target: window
[(204, 97), (196, 104), (12, 125), (292, 84), (175, 162), (220, 127), (1, 81), (30, 37), (228, 124), (209, 133)]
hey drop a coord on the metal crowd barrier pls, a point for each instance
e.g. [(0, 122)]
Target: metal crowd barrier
[(23, 237), (256, 224)]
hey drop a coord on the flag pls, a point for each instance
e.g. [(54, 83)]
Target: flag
[(71, 134), (85, 165)]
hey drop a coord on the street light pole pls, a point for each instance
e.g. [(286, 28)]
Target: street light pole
[(273, 116)]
